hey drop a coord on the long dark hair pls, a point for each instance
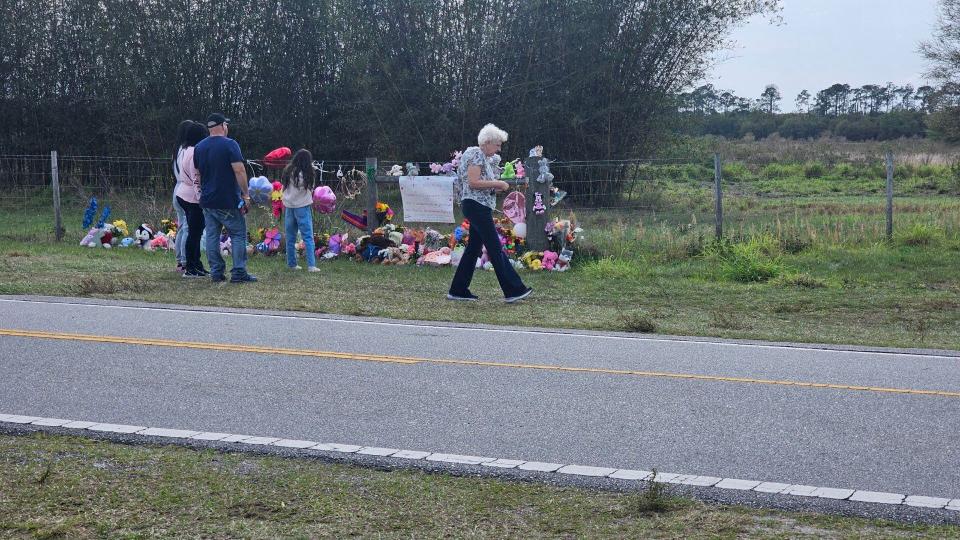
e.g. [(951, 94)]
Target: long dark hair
[(195, 133), (302, 163), (182, 130)]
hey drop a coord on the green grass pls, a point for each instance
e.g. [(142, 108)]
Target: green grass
[(67, 487), (793, 270)]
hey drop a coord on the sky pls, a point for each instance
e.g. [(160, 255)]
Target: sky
[(822, 42)]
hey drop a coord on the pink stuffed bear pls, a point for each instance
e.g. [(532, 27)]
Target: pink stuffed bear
[(549, 259)]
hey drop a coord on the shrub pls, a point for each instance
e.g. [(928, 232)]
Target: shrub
[(920, 234), (814, 169), (751, 262), (638, 322)]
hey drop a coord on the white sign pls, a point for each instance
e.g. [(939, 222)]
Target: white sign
[(427, 199)]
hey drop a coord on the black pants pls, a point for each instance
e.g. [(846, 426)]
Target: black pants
[(483, 233), (195, 224)]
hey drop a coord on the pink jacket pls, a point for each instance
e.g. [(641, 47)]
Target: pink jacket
[(188, 179)]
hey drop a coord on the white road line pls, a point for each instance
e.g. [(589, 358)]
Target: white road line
[(544, 468), (473, 330)]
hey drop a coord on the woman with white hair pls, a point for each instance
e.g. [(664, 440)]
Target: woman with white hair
[(479, 179)]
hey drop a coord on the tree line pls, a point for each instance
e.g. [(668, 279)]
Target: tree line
[(868, 112), (405, 79)]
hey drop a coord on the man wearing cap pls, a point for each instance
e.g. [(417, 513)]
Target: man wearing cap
[(224, 198)]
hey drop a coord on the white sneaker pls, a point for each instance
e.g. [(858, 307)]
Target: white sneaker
[(512, 299), (312, 269), (298, 267)]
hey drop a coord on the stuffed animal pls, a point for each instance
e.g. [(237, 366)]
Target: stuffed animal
[(538, 206), (432, 240), (92, 239), (509, 173), (545, 175), (144, 235), (563, 261), (531, 257), (396, 170), (412, 170), (456, 255), (439, 257), (127, 241), (225, 246), (394, 255), (521, 172), (159, 241), (549, 259)]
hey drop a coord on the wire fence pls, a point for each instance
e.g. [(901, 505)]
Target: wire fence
[(677, 195)]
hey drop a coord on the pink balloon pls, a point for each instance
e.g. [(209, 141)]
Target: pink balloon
[(324, 199)]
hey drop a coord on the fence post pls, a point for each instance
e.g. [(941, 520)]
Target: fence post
[(717, 177), (371, 194), (55, 187), (889, 195)]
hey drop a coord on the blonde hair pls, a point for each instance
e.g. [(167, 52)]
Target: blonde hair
[(491, 133)]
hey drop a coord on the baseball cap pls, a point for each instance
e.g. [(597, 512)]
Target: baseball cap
[(216, 119)]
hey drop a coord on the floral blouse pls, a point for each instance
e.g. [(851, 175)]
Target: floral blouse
[(489, 170)]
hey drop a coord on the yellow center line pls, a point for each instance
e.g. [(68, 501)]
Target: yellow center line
[(415, 360)]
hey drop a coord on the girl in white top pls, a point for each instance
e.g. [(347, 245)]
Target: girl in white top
[(298, 178)]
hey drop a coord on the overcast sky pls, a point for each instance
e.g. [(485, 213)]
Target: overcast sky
[(822, 42)]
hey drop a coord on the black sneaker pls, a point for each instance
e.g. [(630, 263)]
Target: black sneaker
[(194, 274), (203, 272), (517, 298), (468, 297), (245, 278), (217, 279)]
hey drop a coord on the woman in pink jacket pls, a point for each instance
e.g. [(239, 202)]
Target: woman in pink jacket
[(188, 197)]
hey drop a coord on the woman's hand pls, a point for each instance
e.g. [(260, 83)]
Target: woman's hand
[(502, 186)]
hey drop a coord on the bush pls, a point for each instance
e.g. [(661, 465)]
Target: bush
[(754, 261), (920, 234), (814, 169), (748, 265)]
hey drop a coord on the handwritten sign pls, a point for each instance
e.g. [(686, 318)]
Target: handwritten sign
[(427, 199)]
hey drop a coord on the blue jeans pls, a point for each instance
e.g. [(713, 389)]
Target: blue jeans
[(302, 219), (483, 233), (182, 227), (236, 225)]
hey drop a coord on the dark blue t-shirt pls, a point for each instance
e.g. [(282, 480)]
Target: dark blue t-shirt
[(214, 157)]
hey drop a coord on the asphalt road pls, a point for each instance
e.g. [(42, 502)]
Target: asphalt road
[(600, 399)]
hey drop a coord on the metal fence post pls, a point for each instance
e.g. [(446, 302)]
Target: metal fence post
[(717, 177), (889, 195), (371, 194), (55, 187)]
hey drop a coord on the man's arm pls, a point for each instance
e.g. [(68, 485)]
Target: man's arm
[(241, 173)]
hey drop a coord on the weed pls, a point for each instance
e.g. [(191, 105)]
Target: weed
[(653, 500), (920, 234), (726, 320), (91, 285), (799, 279), (637, 322)]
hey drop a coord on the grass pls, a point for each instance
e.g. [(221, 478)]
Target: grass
[(57, 486), (795, 270)]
